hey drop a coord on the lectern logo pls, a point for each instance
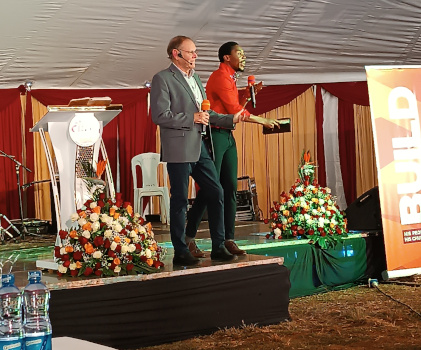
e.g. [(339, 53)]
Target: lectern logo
[(84, 129)]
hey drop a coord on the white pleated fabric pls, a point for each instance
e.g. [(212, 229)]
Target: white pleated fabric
[(331, 147)]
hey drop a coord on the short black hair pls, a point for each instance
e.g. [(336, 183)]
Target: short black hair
[(226, 49)]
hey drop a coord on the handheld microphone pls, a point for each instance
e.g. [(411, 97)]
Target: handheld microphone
[(250, 81), (205, 107)]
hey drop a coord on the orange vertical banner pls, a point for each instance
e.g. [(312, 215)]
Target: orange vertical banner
[(395, 100)]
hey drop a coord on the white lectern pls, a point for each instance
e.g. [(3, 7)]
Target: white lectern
[(63, 125)]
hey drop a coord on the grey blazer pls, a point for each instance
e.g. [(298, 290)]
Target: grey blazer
[(172, 107)]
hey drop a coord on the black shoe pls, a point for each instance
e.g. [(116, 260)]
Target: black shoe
[(185, 259), (222, 254)]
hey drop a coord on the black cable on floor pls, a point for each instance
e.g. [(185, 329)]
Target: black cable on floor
[(375, 284)]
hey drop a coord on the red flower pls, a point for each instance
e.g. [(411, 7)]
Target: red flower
[(102, 195), (129, 267), (143, 258), (301, 231), (101, 203), (294, 209), (63, 234), (88, 271), (268, 236), (77, 256), (57, 252), (98, 272), (111, 253), (87, 203), (274, 216), (82, 240), (279, 225), (107, 244), (310, 232), (130, 258), (118, 248), (65, 257), (97, 265), (126, 204), (266, 221), (66, 263), (102, 224), (157, 264), (323, 233), (74, 273), (98, 241), (123, 232)]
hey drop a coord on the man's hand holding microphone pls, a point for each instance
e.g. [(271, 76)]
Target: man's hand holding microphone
[(202, 117)]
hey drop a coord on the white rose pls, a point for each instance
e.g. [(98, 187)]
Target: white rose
[(136, 215), (133, 233), (95, 226), (142, 229), (321, 201), (109, 221), (81, 222), (321, 222), (282, 207), (63, 251), (74, 217), (323, 209), (277, 232), (62, 269), (117, 227), (124, 249), (115, 207), (72, 266), (314, 212), (93, 205), (113, 246), (108, 233), (148, 253), (94, 217), (328, 190), (97, 254), (284, 220), (86, 234), (132, 248), (307, 217), (117, 269)]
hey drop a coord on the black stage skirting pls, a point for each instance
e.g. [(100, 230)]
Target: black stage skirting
[(134, 314)]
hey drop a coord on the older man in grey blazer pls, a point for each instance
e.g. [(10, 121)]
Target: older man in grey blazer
[(186, 145)]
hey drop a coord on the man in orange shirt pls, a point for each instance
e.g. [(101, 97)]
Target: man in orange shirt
[(222, 93)]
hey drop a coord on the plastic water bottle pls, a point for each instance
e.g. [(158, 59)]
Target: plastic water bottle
[(11, 335), (36, 325)]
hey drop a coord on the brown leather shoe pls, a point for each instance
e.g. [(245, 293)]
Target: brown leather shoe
[(233, 248), (195, 251)]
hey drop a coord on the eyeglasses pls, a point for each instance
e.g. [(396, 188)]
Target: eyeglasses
[(190, 52)]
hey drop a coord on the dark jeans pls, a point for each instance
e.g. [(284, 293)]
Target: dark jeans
[(226, 160), (204, 173)]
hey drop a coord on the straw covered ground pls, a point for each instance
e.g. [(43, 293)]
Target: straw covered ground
[(355, 318)]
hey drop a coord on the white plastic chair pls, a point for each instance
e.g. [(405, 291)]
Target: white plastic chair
[(149, 163)]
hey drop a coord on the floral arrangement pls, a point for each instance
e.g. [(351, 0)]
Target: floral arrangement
[(109, 239), (308, 211)]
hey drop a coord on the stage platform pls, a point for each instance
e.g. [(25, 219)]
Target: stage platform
[(129, 312)]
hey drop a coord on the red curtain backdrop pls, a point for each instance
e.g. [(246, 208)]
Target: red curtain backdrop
[(136, 132), (10, 143), (271, 97), (347, 149)]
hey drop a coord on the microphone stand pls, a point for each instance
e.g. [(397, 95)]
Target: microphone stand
[(18, 164)]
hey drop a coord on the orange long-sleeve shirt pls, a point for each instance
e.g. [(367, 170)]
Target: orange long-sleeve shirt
[(222, 91)]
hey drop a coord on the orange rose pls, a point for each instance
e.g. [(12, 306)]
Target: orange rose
[(112, 211), (97, 209), (116, 215), (87, 226), (129, 209), (290, 219), (89, 249), (82, 214), (73, 234), (149, 227), (149, 262), (68, 249), (127, 239), (78, 264), (117, 261), (117, 239)]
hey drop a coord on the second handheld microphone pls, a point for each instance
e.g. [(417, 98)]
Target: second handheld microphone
[(205, 107)]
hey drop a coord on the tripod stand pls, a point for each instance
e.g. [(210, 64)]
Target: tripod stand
[(5, 231), (23, 232)]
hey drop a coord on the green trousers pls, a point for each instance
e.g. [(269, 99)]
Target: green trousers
[(226, 159)]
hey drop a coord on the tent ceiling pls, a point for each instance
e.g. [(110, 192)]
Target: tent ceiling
[(121, 44)]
